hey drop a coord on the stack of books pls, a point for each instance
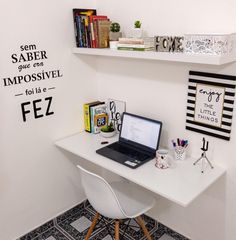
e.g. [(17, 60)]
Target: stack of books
[(136, 44), (95, 116), (91, 30)]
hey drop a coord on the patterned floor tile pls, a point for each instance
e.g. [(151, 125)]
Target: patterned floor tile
[(74, 224), (52, 234), (104, 235), (107, 238), (71, 226), (81, 224), (133, 224), (50, 238), (36, 232), (162, 229), (71, 212), (134, 232), (166, 237)]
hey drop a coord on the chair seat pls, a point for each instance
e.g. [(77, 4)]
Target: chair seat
[(134, 200)]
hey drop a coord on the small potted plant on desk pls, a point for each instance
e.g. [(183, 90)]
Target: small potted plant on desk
[(114, 35), (108, 131), (137, 31)]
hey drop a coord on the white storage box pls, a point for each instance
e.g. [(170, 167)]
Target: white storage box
[(211, 44)]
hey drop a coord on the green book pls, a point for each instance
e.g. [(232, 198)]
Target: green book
[(131, 49)]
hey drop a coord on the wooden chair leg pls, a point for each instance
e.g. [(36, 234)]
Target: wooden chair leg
[(117, 230), (92, 226), (142, 225)]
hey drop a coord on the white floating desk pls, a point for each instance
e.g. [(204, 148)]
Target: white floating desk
[(180, 184)]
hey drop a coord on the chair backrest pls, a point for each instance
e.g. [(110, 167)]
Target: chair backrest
[(100, 195)]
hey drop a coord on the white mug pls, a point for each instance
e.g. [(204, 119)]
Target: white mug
[(162, 159)]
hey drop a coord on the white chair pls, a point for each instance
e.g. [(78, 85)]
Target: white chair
[(118, 200)]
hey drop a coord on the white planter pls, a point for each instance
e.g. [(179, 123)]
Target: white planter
[(107, 134), (114, 36), (137, 33)]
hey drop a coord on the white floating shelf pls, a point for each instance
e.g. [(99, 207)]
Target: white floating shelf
[(159, 56)]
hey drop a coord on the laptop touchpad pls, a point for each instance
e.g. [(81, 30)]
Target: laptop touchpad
[(119, 157)]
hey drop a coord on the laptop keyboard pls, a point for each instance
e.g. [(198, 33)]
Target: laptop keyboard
[(128, 151)]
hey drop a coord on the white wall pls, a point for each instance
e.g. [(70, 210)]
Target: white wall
[(37, 181), (159, 90)]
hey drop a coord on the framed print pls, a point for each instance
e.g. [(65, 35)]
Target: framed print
[(210, 103), (115, 110)]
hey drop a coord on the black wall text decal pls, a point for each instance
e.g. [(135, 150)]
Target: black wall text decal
[(28, 60), (37, 109)]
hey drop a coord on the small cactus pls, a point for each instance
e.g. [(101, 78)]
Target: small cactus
[(137, 24), (115, 27)]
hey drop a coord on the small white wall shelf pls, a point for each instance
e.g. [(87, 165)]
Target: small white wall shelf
[(159, 56)]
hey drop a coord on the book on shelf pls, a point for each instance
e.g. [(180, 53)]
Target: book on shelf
[(87, 114), (131, 49), (93, 28), (103, 33), (99, 117), (82, 27), (136, 44), (84, 30), (143, 40), (131, 41), (134, 49)]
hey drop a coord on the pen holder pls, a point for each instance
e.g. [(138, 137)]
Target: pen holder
[(180, 153)]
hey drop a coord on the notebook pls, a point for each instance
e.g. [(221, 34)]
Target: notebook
[(138, 141)]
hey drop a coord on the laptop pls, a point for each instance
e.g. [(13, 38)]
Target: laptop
[(138, 141)]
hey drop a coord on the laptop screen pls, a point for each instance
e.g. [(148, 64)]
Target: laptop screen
[(141, 130)]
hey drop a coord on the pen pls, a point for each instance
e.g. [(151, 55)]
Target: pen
[(174, 144)]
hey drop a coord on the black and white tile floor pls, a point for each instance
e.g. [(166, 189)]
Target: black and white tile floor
[(74, 224)]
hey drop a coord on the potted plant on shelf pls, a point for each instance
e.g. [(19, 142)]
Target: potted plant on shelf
[(137, 31), (108, 130), (114, 34)]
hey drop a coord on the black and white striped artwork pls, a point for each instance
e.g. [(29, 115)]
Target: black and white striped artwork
[(210, 103)]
